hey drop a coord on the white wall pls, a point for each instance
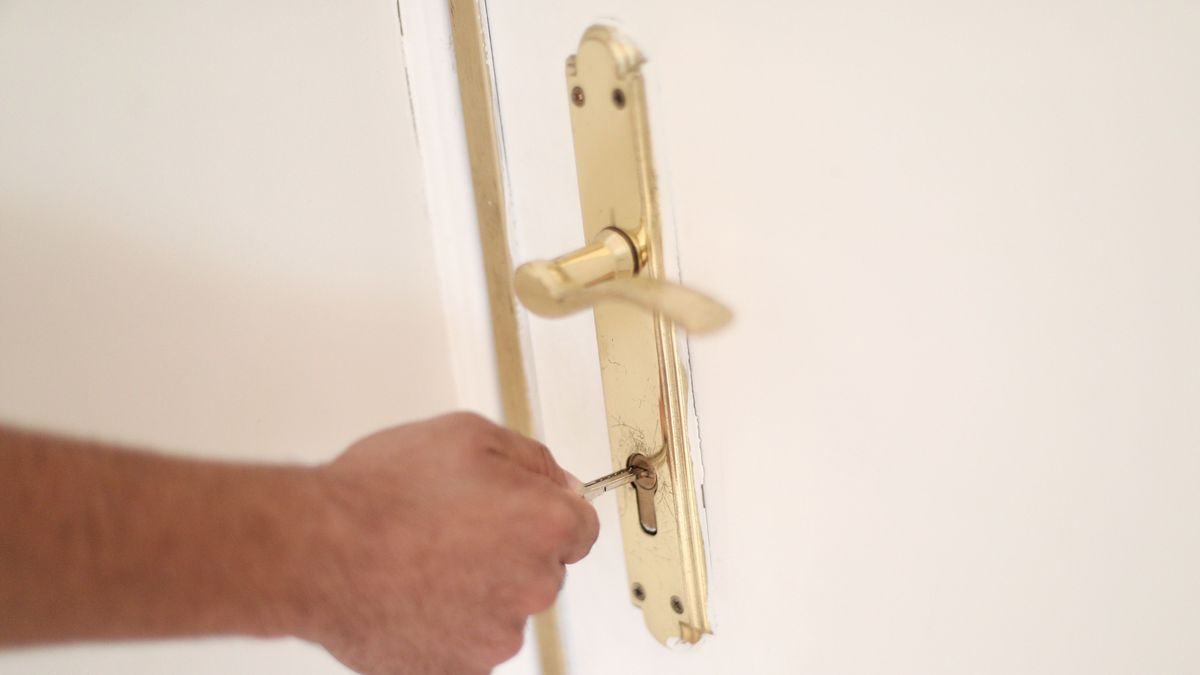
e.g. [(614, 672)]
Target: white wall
[(213, 239)]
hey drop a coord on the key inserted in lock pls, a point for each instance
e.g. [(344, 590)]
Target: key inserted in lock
[(646, 484), (639, 473)]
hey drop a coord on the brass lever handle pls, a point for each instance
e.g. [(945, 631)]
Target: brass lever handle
[(606, 269)]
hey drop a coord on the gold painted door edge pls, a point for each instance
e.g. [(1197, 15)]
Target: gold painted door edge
[(475, 87)]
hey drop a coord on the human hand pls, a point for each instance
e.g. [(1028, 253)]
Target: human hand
[(446, 536)]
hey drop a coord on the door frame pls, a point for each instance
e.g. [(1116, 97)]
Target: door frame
[(458, 132)]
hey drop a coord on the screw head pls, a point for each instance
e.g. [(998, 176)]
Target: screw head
[(577, 96), (638, 592), (676, 604), (618, 98)]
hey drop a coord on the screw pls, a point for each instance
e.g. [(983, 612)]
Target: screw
[(639, 592), (676, 604), (577, 95), (618, 98)]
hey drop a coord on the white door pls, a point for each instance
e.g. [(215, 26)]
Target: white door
[(955, 425)]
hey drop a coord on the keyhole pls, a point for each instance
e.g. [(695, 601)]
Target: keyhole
[(646, 485)]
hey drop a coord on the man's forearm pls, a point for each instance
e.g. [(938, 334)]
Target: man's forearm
[(421, 548), (102, 543)]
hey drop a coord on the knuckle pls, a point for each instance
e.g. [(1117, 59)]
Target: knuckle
[(540, 593), (477, 442), (473, 434), (541, 598), (465, 420), (549, 465), (506, 644), (559, 519)]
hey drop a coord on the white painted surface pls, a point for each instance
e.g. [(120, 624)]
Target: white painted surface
[(214, 240), (954, 428), (437, 114)]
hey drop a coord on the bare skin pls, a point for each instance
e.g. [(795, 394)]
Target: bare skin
[(421, 549)]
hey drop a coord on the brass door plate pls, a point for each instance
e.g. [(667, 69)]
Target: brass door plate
[(645, 386)]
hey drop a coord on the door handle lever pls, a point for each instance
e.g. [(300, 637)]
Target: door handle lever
[(606, 269)]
